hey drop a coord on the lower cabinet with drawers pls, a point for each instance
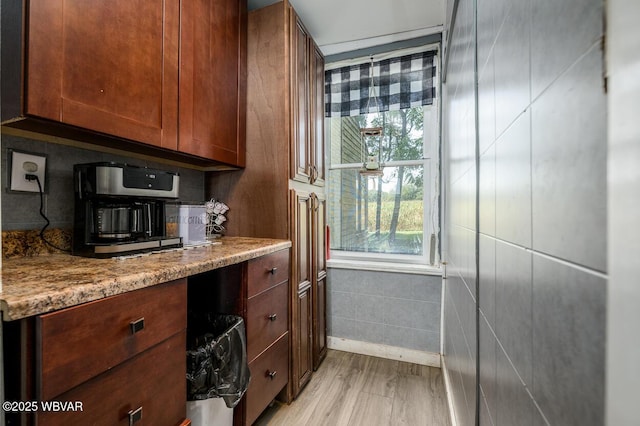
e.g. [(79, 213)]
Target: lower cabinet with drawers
[(267, 312), (263, 302), (115, 361), (148, 389), (121, 360)]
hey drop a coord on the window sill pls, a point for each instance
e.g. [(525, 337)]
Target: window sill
[(364, 265)]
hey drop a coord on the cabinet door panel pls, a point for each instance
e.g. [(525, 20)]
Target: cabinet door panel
[(320, 234), (319, 245), (300, 100), (302, 302), (301, 236), (212, 80), (303, 362), (319, 322), (106, 66), (317, 116)]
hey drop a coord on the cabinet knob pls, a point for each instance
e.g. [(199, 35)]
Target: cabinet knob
[(273, 270), (273, 317), (137, 325), (271, 374), (135, 416)]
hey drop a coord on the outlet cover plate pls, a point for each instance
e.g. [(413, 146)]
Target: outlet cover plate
[(18, 172)]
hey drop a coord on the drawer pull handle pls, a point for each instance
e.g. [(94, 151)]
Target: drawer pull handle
[(273, 317), (135, 416), (271, 374), (137, 325), (273, 270)]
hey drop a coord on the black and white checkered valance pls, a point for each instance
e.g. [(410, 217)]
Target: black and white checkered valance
[(399, 83)]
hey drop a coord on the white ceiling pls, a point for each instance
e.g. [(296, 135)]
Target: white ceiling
[(345, 25)]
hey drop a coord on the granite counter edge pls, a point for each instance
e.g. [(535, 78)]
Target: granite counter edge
[(48, 302)]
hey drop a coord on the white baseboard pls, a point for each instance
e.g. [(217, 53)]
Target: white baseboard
[(431, 359), (447, 389)]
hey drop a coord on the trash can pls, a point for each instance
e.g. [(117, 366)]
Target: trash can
[(217, 369)]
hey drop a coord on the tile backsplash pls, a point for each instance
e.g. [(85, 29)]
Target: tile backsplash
[(21, 211), (28, 243)]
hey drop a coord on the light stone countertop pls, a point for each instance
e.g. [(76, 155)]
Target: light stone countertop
[(35, 285)]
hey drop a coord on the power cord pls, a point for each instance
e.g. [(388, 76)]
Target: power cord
[(31, 177)]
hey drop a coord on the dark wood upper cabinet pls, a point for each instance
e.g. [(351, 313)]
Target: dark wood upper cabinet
[(307, 100), (300, 100), (105, 66), (164, 74), (213, 80)]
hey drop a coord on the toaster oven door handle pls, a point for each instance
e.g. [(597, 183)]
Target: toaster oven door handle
[(80, 184), (147, 214)]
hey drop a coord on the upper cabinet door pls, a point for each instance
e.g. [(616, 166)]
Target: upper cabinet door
[(307, 106), (317, 116), (106, 65), (300, 152), (213, 80)]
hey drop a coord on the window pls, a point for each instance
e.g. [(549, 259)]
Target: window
[(392, 216)]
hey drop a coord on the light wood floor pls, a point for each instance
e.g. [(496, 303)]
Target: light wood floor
[(350, 389)]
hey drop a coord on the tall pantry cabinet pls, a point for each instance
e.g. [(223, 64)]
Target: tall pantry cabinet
[(281, 192)]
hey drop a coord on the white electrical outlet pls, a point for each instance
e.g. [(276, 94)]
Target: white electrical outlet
[(23, 164)]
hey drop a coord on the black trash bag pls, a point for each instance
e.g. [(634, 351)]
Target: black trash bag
[(217, 359)]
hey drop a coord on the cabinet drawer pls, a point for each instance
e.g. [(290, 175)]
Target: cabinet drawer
[(267, 271), (76, 344), (265, 385), (154, 381), (266, 319)]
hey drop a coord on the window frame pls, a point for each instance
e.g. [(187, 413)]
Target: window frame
[(431, 187)]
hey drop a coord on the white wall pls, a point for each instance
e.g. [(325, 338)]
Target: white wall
[(623, 328)]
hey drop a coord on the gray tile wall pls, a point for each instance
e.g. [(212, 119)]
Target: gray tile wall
[(541, 151), (459, 125), (394, 309), (20, 211)]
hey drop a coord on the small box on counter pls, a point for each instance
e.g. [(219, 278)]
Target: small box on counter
[(187, 221)]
